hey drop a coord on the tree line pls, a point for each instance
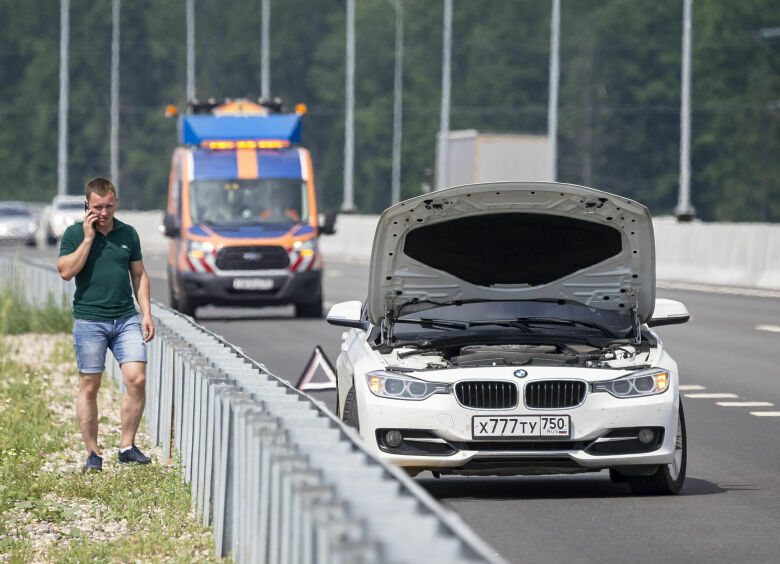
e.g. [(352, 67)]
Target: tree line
[(619, 111)]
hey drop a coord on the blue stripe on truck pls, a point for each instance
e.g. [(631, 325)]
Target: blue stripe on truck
[(210, 164), (222, 164), (283, 163)]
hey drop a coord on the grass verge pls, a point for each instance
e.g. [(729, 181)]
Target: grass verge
[(18, 317), (49, 510)]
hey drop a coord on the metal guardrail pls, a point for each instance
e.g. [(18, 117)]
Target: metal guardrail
[(279, 477)]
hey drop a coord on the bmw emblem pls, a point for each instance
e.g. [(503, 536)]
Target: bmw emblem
[(521, 373)]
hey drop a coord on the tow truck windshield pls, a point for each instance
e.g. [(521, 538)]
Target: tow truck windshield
[(248, 202)]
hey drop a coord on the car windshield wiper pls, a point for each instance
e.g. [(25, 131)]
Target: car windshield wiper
[(427, 323), (524, 323)]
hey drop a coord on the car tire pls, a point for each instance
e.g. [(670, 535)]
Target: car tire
[(669, 478), (311, 310), (617, 477), (51, 240), (350, 416)]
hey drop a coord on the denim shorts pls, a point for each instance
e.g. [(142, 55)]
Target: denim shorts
[(91, 338)]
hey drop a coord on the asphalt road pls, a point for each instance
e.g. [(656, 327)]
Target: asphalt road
[(729, 509)]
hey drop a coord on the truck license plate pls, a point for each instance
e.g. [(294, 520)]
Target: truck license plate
[(253, 283), (556, 426)]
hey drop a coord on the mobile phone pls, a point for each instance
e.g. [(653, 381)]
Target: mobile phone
[(86, 206)]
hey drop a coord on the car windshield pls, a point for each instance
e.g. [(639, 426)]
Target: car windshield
[(512, 317), (14, 212), (249, 201), (71, 206)]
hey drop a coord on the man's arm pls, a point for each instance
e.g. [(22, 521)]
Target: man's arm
[(71, 264), (142, 292)]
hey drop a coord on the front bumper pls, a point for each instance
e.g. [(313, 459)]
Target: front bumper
[(600, 435), (288, 287)]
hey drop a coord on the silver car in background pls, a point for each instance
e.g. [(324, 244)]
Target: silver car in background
[(64, 212), (18, 224)]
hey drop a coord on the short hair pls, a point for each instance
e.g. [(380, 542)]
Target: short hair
[(100, 186)]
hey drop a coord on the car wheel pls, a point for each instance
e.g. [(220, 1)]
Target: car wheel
[(350, 416), (670, 477), (617, 477), (51, 240), (311, 311)]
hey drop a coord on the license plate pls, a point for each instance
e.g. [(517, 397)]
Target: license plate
[(253, 283), (552, 426)]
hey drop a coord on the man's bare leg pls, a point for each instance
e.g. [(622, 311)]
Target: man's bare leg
[(134, 374), (86, 409)]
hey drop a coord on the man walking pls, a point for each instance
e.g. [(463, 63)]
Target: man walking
[(99, 252)]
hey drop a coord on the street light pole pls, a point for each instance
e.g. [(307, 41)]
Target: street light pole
[(442, 174), (349, 123), (265, 51), (190, 50), (397, 100), (552, 102), (114, 133), (685, 211), (62, 152)]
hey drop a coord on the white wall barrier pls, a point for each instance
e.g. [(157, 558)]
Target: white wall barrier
[(278, 476), (733, 254)]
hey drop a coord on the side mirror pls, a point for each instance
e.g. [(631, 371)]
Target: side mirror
[(170, 229), (347, 314), (668, 312), (328, 223)]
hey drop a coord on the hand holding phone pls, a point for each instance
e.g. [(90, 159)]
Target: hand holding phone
[(89, 222)]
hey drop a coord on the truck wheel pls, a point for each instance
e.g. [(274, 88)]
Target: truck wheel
[(172, 301), (312, 310), (187, 306), (350, 410), (670, 477)]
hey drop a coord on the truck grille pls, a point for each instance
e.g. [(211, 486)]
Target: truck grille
[(252, 258), (554, 394), (487, 394)]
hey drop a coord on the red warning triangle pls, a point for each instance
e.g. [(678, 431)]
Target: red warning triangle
[(311, 380)]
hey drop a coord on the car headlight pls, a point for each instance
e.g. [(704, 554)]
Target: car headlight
[(398, 386), (645, 383)]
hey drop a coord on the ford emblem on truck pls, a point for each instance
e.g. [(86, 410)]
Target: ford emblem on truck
[(253, 256)]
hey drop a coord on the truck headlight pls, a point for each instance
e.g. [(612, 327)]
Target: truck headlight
[(399, 386), (306, 248), (645, 383), (198, 249)]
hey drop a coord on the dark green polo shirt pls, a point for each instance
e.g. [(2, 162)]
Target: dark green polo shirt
[(103, 289)]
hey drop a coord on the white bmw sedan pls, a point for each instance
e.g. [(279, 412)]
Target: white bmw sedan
[(508, 330)]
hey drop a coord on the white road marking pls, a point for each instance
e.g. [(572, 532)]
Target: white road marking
[(765, 413), (685, 387), (757, 292), (711, 396), (770, 328), (745, 403)]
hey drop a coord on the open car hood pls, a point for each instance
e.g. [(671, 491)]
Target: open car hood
[(513, 241)]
